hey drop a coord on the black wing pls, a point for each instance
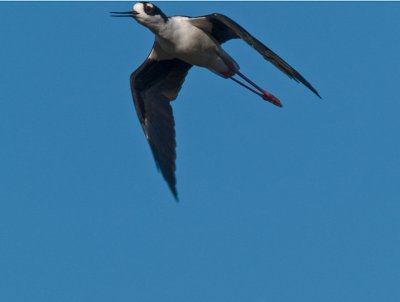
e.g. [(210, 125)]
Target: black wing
[(223, 29), (154, 85)]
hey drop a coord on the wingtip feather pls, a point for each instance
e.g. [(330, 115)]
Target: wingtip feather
[(175, 194)]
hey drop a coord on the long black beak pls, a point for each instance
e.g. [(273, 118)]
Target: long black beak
[(124, 14)]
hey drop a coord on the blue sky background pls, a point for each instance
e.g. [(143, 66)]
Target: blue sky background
[(292, 204)]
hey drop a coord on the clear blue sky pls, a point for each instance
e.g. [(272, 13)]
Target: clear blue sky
[(294, 204)]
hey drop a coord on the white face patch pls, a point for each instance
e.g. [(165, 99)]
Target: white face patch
[(142, 17), (138, 7), (149, 15), (146, 8)]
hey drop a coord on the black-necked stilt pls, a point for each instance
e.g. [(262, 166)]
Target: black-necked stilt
[(181, 42)]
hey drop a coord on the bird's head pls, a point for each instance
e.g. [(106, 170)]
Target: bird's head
[(145, 13)]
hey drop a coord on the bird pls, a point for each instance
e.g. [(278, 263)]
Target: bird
[(180, 43)]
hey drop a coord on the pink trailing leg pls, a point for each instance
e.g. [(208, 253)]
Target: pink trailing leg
[(233, 69), (263, 93)]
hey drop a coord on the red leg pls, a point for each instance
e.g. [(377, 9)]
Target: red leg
[(232, 70), (264, 94)]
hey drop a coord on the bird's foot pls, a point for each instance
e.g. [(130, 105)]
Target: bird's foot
[(271, 98)]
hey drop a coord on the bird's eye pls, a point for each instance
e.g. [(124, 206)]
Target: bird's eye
[(148, 9)]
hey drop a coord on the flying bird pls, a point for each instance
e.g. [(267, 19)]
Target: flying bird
[(180, 43)]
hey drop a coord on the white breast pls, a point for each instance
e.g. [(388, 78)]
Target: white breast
[(184, 41)]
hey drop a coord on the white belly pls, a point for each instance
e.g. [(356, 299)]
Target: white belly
[(192, 45)]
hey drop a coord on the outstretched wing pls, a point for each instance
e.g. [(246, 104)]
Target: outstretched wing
[(223, 29), (154, 85)]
